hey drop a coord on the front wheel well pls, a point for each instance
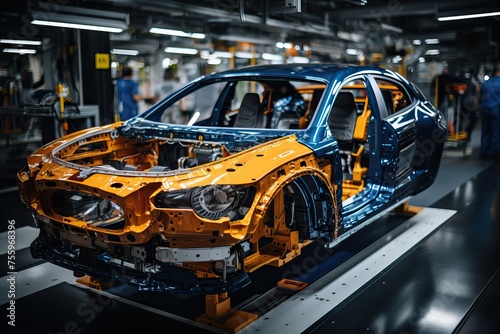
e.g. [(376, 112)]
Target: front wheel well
[(308, 207)]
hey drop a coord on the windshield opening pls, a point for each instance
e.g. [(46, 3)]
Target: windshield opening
[(257, 104)]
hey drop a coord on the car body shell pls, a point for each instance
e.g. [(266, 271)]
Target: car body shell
[(240, 198)]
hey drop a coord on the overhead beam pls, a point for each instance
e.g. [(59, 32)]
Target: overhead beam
[(396, 8)]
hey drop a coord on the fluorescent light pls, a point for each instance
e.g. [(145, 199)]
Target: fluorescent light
[(136, 64), (76, 26), (467, 16), (432, 41), (417, 42), (432, 52), (125, 52), (223, 54), (20, 41), (388, 27), (214, 61), (44, 13), (205, 54), (352, 52), (421, 60), (300, 60), (246, 55), (271, 56), (351, 36), (20, 51), (179, 33), (185, 51), (261, 40)]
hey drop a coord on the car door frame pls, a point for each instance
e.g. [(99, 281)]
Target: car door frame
[(397, 136)]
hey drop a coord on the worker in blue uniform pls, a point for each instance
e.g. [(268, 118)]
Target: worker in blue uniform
[(128, 95), (490, 117)]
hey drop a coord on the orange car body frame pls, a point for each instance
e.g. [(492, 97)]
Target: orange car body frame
[(107, 207)]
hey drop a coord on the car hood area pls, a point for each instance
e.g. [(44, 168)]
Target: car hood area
[(152, 150)]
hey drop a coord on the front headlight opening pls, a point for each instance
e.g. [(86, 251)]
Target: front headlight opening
[(216, 201), (173, 199), (95, 211)]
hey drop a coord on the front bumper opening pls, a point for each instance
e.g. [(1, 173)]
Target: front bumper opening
[(146, 275)]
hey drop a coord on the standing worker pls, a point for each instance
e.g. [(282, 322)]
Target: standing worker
[(177, 113), (490, 117), (470, 107), (438, 86), (128, 95)]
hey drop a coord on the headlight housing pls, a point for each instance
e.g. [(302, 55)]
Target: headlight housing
[(210, 202)]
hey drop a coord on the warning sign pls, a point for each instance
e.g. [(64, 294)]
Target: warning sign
[(102, 61)]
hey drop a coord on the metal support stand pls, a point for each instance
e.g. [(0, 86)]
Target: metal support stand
[(96, 283), (456, 138), (406, 209), (219, 314)]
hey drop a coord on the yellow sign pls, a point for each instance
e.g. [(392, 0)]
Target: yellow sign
[(102, 61)]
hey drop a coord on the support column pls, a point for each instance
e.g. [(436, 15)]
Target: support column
[(96, 78)]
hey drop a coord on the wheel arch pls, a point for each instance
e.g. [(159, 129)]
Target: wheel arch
[(315, 204)]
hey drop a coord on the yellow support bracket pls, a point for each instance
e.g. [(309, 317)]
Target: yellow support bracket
[(219, 314), (96, 283), (407, 209)]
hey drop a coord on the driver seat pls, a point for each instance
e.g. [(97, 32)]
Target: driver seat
[(342, 122), (249, 114)]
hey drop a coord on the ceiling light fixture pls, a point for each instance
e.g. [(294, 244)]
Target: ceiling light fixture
[(239, 38), (214, 61), (432, 52), (20, 51), (300, 60), (389, 27), (432, 41), (20, 42), (76, 26), (79, 18), (350, 36), (467, 16), (246, 55), (185, 51), (352, 52), (272, 57), (179, 33), (125, 52), (205, 54)]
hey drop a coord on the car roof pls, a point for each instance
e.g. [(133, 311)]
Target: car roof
[(322, 72)]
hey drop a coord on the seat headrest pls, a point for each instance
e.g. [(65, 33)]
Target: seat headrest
[(249, 111), (343, 116)]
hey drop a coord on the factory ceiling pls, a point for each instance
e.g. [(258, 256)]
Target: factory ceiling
[(327, 27)]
